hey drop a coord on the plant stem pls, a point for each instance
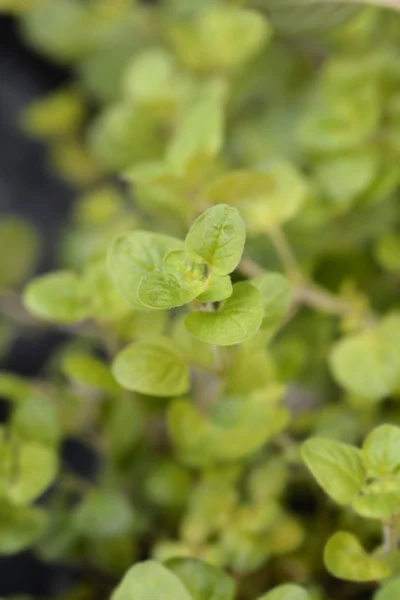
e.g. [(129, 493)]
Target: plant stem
[(285, 253), (389, 537)]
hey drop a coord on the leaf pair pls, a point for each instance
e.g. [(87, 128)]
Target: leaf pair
[(154, 271), (366, 479)]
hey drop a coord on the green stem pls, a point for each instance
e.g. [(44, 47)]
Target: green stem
[(389, 537), (285, 253)]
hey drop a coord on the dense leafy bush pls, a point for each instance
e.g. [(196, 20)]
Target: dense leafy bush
[(229, 282)]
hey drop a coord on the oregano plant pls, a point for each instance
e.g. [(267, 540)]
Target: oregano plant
[(226, 294)]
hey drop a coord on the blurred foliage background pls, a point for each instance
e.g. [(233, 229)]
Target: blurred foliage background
[(117, 115)]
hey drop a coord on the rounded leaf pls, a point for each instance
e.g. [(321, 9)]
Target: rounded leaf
[(217, 238), (153, 367), (57, 297), (237, 320), (19, 245), (203, 581), (286, 592), (266, 198), (389, 591), (103, 514), (150, 581), (162, 291), (337, 467), (35, 468), (134, 255), (368, 363), (20, 527), (381, 451), (346, 559)]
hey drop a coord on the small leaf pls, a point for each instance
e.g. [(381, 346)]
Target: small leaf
[(56, 297), (103, 514), (217, 238), (150, 581), (203, 581), (200, 131), (389, 591), (368, 363), (89, 371), (35, 468), (20, 244), (238, 318), (266, 198), (36, 420), (338, 468), (133, 256), (286, 592), (381, 451), (20, 527), (220, 37), (374, 503), (219, 287), (277, 296), (104, 301), (162, 291), (346, 559), (153, 367)]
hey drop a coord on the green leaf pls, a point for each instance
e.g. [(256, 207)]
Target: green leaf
[(20, 244), (389, 591), (13, 388), (191, 347), (387, 252), (344, 177), (346, 559), (217, 238), (104, 301), (266, 198), (297, 17), (36, 420), (56, 297), (381, 451), (337, 467), (237, 428), (237, 320), (221, 37), (123, 136), (20, 527), (368, 363), (376, 503), (34, 468), (162, 291), (153, 80), (203, 581), (134, 255), (286, 592), (89, 371), (150, 581), (153, 367), (219, 287), (200, 131), (124, 425), (277, 296), (103, 514), (168, 485)]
